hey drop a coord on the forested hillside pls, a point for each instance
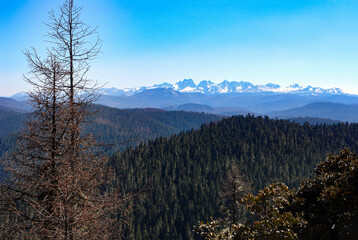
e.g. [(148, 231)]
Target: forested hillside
[(330, 110), (115, 125), (122, 127), (10, 123), (186, 170), (314, 121)]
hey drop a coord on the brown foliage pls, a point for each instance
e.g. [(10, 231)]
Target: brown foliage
[(233, 188), (58, 183)]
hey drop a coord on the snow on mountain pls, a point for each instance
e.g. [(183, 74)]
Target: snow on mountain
[(21, 96), (119, 92), (187, 85), (163, 85), (210, 88)]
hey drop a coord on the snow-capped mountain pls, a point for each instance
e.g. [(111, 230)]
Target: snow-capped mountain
[(229, 98), (211, 88)]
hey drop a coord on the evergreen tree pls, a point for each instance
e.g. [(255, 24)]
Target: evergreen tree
[(324, 207)]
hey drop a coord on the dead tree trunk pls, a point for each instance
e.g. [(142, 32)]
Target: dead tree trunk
[(59, 185)]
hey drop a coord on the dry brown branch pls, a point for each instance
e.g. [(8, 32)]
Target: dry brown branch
[(58, 184), (233, 188)]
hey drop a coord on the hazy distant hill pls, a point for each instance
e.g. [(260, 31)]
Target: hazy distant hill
[(242, 97), (9, 104), (21, 96), (335, 111), (163, 98), (336, 107), (259, 103), (153, 98), (224, 111), (192, 107)]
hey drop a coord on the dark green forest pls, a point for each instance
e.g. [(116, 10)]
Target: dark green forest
[(120, 127), (314, 120), (186, 170), (129, 127), (182, 173), (10, 122)]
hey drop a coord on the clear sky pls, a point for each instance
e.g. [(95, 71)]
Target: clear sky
[(308, 42)]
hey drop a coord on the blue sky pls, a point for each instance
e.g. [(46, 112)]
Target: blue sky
[(152, 41)]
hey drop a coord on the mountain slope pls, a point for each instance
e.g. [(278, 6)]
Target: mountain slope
[(137, 125), (194, 107), (10, 122), (335, 111), (260, 103), (125, 127), (259, 99), (9, 104), (153, 98), (187, 169)]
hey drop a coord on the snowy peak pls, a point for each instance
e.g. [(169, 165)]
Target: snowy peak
[(187, 85), (209, 88), (163, 85)]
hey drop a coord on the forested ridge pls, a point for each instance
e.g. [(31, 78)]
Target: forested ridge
[(121, 127), (186, 169), (113, 125), (128, 127)]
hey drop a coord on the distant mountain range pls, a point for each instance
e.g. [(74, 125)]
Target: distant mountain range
[(210, 88), (226, 99)]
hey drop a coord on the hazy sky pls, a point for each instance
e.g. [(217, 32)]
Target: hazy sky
[(152, 41)]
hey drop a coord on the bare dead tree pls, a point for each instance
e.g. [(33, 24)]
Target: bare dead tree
[(75, 44), (59, 185), (233, 188), (32, 167)]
